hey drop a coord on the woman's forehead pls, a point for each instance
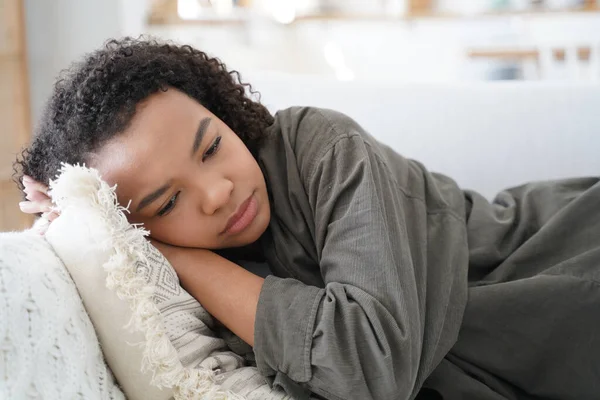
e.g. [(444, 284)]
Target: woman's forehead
[(150, 150), (142, 152)]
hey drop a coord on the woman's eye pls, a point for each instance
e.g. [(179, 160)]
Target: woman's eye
[(214, 147), (169, 206)]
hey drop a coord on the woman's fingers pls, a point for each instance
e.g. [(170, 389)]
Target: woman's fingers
[(31, 207), (50, 216), (38, 199), (31, 186), (37, 196)]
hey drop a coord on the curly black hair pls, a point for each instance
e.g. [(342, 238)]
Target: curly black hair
[(95, 99)]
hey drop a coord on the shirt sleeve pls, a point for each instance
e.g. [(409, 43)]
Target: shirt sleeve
[(367, 334)]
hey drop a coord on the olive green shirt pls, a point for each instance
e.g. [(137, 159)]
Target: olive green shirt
[(369, 257)]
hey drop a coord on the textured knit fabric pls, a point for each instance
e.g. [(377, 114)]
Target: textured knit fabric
[(48, 347), (369, 253)]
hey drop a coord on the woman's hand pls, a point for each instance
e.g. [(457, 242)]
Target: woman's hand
[(38, 200)]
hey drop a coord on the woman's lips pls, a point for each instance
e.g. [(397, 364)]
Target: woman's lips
[(243, 217)]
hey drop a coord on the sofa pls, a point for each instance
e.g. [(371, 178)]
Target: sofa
[(486, 136)]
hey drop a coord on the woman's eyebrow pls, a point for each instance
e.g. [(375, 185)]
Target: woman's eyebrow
[(200, 134), (153, 196)]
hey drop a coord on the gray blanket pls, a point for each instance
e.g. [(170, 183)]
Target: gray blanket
[(531, 328)]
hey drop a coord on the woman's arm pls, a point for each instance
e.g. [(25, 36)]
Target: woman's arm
[(226, 290)]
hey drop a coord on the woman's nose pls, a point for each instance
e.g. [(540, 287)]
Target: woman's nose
[(216, 195)]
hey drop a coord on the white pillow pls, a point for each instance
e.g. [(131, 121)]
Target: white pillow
[(170, 347), (48, 347)]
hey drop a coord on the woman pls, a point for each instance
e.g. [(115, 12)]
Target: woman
[(389, 282)]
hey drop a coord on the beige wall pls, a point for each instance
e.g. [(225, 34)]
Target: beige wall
[(14, 109)]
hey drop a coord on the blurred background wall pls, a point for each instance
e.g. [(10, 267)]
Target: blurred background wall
[(370, 42), (390, 40)]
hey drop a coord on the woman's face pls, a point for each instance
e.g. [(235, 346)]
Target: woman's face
[(190, 179)]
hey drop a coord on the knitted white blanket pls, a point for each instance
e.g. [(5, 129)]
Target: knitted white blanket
[(48, 347)]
